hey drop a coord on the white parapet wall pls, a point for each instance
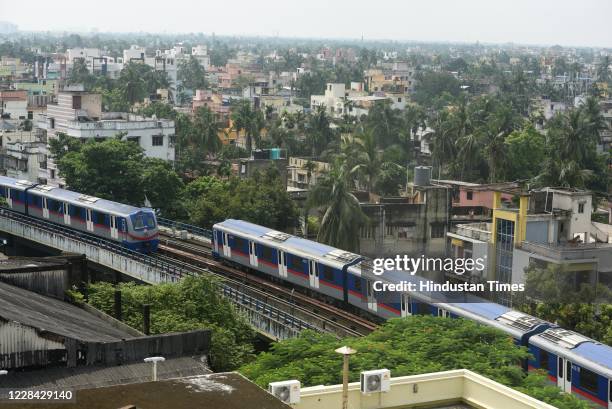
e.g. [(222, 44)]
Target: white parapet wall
[(423, 390), (131, 266)]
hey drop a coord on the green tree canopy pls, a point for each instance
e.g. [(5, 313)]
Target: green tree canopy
[(261, 199), (420, 344), (117, 170), (192, 303), (192, 74)]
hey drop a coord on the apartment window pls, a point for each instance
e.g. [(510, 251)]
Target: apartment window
[(437, 230), (580, 207), (52, 123), (157, 140), (470, 195), (76, 102), (52, 173), (135, 139), (399, 100)]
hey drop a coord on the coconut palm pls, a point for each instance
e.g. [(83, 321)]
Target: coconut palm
[(342, 217), (206, 130)]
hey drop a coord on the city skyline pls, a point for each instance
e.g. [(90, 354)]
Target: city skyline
[(542, 23)]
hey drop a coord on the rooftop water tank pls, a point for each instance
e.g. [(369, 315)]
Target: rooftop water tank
[(422, 176)]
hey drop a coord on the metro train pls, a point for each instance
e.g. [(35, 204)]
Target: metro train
[(573, 362), (132, 227)]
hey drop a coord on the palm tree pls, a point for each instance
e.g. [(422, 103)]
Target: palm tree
[(441, 140), (385, 122), (206, 130), (319, 131), (243, 118), (342, 215)]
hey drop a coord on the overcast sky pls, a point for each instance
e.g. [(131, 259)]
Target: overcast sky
[(548, 22)]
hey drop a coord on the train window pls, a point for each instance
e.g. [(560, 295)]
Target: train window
[(358, 286), (568, 371), (543, 359), (327, 272), (142, 220), (560, 368), (589, 381), (267, 253), (240, 244), (422, 308), (296, 263)]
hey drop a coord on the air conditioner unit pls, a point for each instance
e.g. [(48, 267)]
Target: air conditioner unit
[(286, 391), (376, 381)]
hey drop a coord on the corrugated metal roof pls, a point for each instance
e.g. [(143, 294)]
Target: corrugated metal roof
[(55, 316), (85, 377)]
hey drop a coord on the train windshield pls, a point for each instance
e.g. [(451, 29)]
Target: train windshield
[(142, 220)]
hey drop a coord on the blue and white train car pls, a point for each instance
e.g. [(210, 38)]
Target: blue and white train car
[(364, 294), (133, 227), (519, 325), (575, 363), (14, 192), (302, 262)]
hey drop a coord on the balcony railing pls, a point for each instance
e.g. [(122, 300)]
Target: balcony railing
[(476, 231), (568, 251)]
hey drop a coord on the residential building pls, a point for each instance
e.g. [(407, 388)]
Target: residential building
[(333, 100), (14, 104), (457, 389), (260, 160), (415, 224), (393, 77), (79, 114), (21, 154), (304, 173), (550, 226), (213, 101)]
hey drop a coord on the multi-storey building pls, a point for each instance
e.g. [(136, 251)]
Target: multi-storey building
[(545, 227), (79, 114), (392, 77), (304, 173), (13, 104)]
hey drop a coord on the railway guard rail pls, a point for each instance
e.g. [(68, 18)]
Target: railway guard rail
[(266, 319), (104, 252), (196, 230)]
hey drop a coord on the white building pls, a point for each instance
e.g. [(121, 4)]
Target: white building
[(79, 114), (84, 53), (21, 154), (14, 104), (333, 100)]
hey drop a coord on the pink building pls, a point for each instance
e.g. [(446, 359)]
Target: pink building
[(466, 194), (212, 100)]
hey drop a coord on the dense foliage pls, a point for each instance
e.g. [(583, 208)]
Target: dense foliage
[(416, 345), (117, 170), (192, 303), (553, 294)]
